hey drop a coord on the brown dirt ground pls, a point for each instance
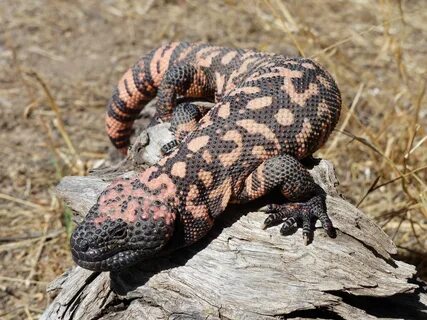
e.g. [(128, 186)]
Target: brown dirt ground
[(76, 51)]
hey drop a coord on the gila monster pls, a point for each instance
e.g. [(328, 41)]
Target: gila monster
[(271, 112)]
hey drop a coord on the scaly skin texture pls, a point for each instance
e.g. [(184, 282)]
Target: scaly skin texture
[(271, 113)]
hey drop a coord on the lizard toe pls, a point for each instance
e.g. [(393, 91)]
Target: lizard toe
[(300, 215)]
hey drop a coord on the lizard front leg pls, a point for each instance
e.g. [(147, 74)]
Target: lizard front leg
[(183, 80), (306, 198), (185, 119)]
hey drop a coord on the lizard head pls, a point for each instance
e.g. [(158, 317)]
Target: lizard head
[(132, 220)]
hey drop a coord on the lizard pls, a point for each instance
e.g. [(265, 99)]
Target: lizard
[(271, 112)]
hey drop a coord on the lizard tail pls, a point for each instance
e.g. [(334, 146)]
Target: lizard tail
[(135, 89)]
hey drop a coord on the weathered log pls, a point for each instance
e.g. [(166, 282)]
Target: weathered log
[(240, 271)]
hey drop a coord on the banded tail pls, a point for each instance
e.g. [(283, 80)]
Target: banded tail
[(136, 88)]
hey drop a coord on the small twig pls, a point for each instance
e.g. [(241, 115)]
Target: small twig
[(23, 202), (395, 212), (399, 177), (368, 30), (371, 188), (387, 221), (402, 15), (37, 255), (54, 106), (24, 281), (416, 126), (419, 143), (27, 242), (347, 118), (28, 313), (145, 8), (396, 231), (283, 25), (45, 53), (374, 148), (413, 251), (405, 163), (413, 230), (51, 145), (31, 237)]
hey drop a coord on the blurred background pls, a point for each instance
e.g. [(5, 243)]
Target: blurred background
[(59, 61)]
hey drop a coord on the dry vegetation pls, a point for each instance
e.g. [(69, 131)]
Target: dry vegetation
[(60, 59)]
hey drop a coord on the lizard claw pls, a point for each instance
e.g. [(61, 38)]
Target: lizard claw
[(301, 214)]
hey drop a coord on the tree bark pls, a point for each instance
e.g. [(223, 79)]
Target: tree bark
[(240, 271)]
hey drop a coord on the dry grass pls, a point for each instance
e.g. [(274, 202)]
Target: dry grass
[(59, 60)]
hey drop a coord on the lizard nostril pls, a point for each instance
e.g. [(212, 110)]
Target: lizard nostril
[(82, 245)]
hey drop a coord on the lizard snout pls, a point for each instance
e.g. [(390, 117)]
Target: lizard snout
[(81, 245)]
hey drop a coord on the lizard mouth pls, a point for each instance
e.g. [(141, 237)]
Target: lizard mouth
[(112, 261)]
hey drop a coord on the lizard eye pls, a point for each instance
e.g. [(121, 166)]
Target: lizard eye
[(120, 233)]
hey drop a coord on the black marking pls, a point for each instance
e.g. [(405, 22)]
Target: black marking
[(165, 48), (121, 118), (127, 88), (158, 66), (140, 85), (177, 52), (121, 105), (147, 72), (196, 48), (120, 139)]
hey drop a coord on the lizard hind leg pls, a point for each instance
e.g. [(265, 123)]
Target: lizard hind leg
[(306, 198)]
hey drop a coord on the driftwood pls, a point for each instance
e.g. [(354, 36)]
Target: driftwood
[(240, 271)]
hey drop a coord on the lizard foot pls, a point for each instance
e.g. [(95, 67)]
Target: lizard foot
[(303, 214)]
